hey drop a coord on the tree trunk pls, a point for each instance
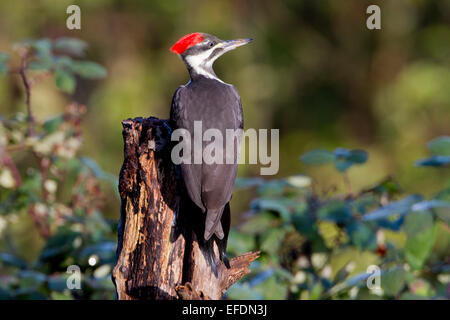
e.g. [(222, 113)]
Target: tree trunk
[(158, 255)]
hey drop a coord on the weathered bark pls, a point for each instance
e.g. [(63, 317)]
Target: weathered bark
[(158, 255)]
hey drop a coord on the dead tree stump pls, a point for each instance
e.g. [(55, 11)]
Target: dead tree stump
[(158, 255)]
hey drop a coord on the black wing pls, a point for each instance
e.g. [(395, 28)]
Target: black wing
[(218, 106), (191, 173)]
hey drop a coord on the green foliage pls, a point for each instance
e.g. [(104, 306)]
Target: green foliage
[(440, 148), (56, 57), (65, 80), (45, 181), (419, 227), (342, 158), (320, 247)]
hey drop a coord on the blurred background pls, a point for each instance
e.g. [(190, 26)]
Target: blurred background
[(314, 71)]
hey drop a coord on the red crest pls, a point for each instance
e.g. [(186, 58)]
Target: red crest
[(186, 42)]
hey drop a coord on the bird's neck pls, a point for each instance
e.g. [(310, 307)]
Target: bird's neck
[(200, 69), (199, 72)]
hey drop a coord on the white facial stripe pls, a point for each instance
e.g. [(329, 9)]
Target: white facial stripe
[(197, 62), (200, 63), (198, 59)]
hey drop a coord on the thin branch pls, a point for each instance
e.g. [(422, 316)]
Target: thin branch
[(26, 84), (8, 162)]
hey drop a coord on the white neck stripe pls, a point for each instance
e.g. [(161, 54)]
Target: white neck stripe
[(200, 64)]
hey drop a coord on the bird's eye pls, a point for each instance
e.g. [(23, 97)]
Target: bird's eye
[(211, 44)]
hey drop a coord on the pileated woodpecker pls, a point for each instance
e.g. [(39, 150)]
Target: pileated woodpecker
[(217, 105)]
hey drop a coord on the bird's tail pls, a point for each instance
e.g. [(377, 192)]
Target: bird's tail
[(218, 233), (213, 224)]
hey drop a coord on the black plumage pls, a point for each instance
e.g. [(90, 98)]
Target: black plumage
[(218, 106)]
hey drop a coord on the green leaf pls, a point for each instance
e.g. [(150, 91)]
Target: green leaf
[(393, 281), (337, 211), (304, 223), (347, 284), (64, 62), (396, 207), (280, 205), (316, 291), (441, 245), (417, 222), (430, 204), (364, 203), (420, 229), (53, 124), (347, 158), (65, 80), (358, 156), (42, 46), (434, 161), (341, 157), (440, 146), (331, 234), (9, 260), (443, 212), (361, 236), (70, 45), (318, 157), (359, 260), (88, 69), (59, 245), (271, 240), (31, 279), (43, 58)]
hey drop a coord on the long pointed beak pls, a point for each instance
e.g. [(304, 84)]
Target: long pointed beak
[(233, 44)]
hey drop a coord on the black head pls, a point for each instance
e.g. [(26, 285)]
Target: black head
[(200, 50)]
